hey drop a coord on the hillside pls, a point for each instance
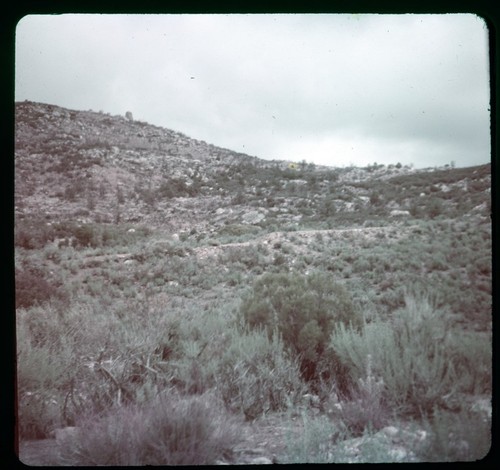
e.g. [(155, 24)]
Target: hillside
[(149, 262), (98, 168)]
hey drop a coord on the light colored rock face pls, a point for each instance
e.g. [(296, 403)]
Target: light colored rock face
[(399, 213), (253, 217), (261, 461)]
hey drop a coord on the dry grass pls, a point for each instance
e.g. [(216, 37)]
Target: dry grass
[(172, 430)]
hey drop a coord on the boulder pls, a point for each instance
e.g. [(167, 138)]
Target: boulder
[(399, 213), (253, 217)]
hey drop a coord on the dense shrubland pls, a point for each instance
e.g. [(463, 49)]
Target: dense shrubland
[(116, 346), (315, 327), (303, 310), (202, 299)]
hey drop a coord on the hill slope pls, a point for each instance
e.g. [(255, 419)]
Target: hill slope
[(149, 263), (100, 168), (88, 179)]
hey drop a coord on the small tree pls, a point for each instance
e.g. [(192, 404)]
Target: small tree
[(435, 207), (120, 198), (327, 209), (304, 310), (375, 198)]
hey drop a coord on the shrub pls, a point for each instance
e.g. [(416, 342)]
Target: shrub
[(37, 415), (473, 354), (176, 187), (455, 437), (43, 362), (256, 376), (32, 234), (169, 431), (375, 198), (415, 355), (304, 310), (435, 207), (314, 444), (32, 287), (365, 409)]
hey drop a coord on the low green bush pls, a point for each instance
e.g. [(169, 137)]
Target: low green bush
[(434, 208)]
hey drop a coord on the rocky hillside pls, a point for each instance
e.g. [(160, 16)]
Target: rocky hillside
[(149, 265), (92, 167)]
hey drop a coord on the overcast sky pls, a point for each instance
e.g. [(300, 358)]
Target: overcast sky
[(329, 89)]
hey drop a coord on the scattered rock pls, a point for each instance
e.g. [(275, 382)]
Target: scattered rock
[(480, 207), (391, 444), (312, 400), (390, 431)]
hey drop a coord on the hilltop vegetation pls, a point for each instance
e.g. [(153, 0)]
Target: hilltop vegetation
[(152, 268)]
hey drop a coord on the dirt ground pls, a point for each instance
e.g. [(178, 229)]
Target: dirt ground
[(43, 452)]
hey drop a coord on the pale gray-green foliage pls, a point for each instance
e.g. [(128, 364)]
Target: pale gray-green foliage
[(59, 355), (366, 407), (314, 442), (44, 362), (412, 354), (256, 375)]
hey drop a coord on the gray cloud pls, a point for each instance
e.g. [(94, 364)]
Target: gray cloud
[(334, 89)]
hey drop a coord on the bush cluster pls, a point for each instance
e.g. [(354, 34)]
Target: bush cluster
[(34, 287), (418, 357), (37, 233), (256, 375), (304, 311)]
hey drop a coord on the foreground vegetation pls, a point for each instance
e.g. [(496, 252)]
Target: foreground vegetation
[(253, 328)]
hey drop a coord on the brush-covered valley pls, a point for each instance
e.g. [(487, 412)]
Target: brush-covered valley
[(181, 303)]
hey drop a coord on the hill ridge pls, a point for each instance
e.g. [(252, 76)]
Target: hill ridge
[(94, 167)]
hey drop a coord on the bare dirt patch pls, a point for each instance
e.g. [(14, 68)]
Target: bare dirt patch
[(39, 453)]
